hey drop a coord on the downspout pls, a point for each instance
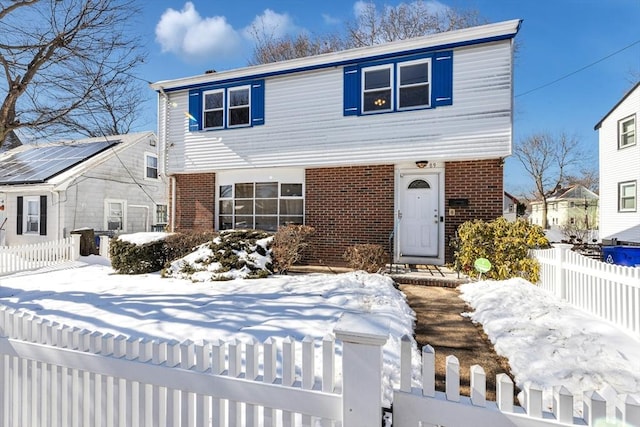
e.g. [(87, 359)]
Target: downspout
[(162, 112)]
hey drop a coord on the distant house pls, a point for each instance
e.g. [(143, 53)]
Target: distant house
[(575, 206), (510, 207), (619, 154), (395, 144), (110, 183)]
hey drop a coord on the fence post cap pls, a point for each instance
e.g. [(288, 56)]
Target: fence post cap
[(363, 328)]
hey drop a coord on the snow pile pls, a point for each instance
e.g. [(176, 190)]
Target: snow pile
[(551, 343), (231, 255)]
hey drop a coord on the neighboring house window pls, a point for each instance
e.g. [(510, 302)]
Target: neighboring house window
[(162, 214), (216, 107), (115, 215), (627, 132), (239, 106), (260, 205), (411, 82), (151, 168), (627, 196), (32, 215)]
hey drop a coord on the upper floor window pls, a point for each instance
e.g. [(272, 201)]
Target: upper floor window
[(376, 89), (413, 84), (627, 196), (627, 132), (409, 89), (418, 81), (213, 109), (239, 106), (226, 106), (151, 166)]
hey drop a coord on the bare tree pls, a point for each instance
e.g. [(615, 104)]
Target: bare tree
[(271, 49), (548, 160), (373, 25), (588, 177), (69, 71)]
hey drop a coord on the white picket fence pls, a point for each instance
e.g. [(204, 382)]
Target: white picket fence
[(606, 290), (14, 259), (55, 375)]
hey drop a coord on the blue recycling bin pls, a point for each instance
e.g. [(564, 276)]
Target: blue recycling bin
[(621, 255)]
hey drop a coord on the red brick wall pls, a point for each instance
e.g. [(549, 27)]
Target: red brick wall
[(480, 181), (348, 205), (195, 202)]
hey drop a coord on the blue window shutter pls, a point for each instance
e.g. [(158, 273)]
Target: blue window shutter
[(195, 110), (442, 78), (351, 90), (43, 215), (257, 103), (20, 207)]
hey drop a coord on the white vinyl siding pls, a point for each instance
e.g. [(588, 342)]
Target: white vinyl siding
[(312, 131)]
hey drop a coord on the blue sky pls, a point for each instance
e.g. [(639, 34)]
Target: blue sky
[(557, 38)]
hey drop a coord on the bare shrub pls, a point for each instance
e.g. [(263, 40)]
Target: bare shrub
[(288, 246), (367, 257)]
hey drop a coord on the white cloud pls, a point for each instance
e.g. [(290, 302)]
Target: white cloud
[(271, 24), (194, 38), (330, 20)]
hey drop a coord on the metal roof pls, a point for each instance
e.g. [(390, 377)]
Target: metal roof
[(38, 164)]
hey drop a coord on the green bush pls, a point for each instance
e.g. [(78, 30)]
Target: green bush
[(367, 257), (130, 258), (288, 246), (505, 244)]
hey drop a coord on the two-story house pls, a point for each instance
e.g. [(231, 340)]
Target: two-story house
[(575, 205), (112, 183), (620, 169), (399, 142)]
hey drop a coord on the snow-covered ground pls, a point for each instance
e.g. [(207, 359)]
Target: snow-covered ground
[(548, 343)]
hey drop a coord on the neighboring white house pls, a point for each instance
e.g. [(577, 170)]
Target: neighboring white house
[(620, 169), (510, 207), (400, 142), (571, 206), (113, 183)]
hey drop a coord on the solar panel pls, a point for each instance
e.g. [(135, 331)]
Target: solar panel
[(41, 163)]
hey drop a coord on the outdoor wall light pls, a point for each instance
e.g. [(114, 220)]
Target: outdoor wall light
[(422, 163)]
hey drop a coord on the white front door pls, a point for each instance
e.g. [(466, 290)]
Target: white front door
[(418, 215)]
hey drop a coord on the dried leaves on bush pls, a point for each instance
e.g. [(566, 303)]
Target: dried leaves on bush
[(366, 257), (288, 246)]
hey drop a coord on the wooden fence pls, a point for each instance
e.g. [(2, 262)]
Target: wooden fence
[(55, 375), (38, 255), (606, 290)]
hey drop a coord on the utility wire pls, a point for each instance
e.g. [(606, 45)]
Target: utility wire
[(578, 70)]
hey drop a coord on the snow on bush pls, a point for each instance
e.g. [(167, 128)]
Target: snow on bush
[(233, 254)]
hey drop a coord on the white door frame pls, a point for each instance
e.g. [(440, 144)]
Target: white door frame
[(411, 169)]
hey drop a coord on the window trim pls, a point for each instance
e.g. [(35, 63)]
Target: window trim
[(633, 197), (399, 86), (147, 156), (621, 135)]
